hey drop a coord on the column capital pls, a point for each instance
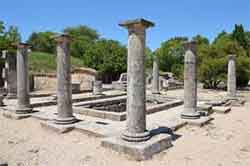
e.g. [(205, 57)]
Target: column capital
[(22, 46), (5, 51), (231, 57), (190, 45), (136, 23), (61, 38)]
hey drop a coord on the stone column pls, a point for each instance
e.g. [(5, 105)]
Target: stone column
[(136, 115), (23, 103), (155, 81), (11, 75), (64, 89), (190, 83), (231, 77), (97, 87)]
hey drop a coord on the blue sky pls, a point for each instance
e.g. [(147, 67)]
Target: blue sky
[(172, 18)]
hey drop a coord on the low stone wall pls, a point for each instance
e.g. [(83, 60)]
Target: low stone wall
[(83, 76)]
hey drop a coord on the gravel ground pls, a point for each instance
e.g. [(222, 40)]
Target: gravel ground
[(224, 142)]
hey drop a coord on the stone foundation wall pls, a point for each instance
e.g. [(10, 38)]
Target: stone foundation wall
[(83, 76)]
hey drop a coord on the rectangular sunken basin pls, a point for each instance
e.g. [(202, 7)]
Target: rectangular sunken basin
[(115, 108)]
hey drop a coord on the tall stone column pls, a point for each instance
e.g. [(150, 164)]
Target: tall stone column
[(155, 81), (190, 82), (136, 115), (23, 98), (231, 77), (64, 92), (11, 74)]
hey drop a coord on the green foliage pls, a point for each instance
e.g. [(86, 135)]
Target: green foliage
[(12, 35), (201, 40), (171, 57), (8, 36), (239, 36), (42, 41), (212, 71), (83, 38), (106, 56), (149, 59), (46, 63), (213, 59), (2, 27), (243, 70)]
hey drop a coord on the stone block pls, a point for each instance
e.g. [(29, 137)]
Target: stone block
[(115, 116), (215, 102), (11, 114), (3, 163), (204, 109), (235, 102), (57, 127), (138, 150), (96, 129), (96, 113), (199, 122), (221, 109), (45, 115)]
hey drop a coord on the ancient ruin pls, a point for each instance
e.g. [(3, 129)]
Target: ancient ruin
[(64, 90), (190, 83), (185, 112), (23, 98), (10, 74)]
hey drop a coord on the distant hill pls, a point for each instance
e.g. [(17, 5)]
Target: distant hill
[(40, 62)]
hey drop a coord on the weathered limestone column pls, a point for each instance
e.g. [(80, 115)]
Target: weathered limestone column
[(155, 81), (136, 115), (64, 92), (23, 103), (97, 87), (190, 83), (11, 75), (231, 77)]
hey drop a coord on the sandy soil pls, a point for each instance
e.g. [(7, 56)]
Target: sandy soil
[(224, 142)]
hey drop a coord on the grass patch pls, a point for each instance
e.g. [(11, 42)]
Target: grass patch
[(40, 62)]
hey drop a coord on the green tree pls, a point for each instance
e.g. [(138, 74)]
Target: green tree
[(213, 60), (83, 38), (42, 41), (238, 35), (201, 40), (13, 35), (148, 59), (171, 55), (108, 57)]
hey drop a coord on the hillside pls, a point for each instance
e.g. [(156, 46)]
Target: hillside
[(40, 62)]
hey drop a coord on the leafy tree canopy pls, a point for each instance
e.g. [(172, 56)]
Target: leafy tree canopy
[(42, 41)]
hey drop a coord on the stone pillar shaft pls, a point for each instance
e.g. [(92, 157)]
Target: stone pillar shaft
[(136, 115), (64, 92), (97, 87), (23, 103), (231, 77), (136, 82), (190, 83), (155, 81), (11, 74)]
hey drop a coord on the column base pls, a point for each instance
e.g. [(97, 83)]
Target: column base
[(11, 96), (231, 98), (23, 110), (190, 115), (156, 92), (136, 137), (141, 150), (65, 121)]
